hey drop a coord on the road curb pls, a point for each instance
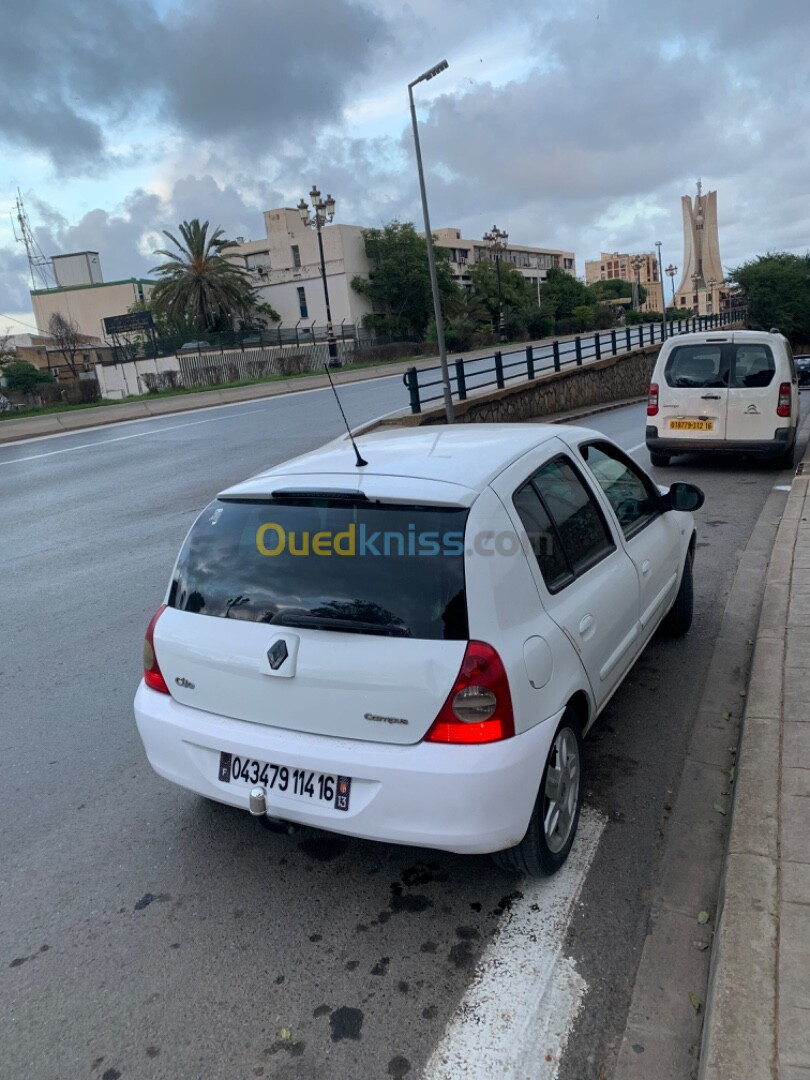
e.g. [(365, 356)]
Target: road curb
[(740, 1030)]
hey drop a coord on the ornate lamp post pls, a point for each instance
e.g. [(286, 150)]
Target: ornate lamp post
[(636, 261), (496, 241), (711, 284), (323, 210), (695, 285), (672, 271)]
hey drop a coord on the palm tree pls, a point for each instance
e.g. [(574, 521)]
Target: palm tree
[(198, 284)]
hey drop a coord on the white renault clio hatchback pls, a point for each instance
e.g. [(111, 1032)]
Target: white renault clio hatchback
[(411, 651), (716, 392)]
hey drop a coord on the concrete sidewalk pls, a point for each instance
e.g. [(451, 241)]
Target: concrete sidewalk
[(758, 1009)]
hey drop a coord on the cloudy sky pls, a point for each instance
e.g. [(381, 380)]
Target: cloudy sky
[(575, 126)]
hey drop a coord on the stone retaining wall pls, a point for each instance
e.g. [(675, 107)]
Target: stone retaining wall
[(617, 378)]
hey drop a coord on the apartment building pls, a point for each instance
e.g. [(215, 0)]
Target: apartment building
[(613, 266), (533, 263)]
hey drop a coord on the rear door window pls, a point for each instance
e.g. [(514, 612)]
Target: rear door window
[(752, 366), (697, 367), (356, 567), (572, 533)]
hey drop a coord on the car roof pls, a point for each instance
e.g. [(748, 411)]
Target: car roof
[(750, 336), (436, 463)]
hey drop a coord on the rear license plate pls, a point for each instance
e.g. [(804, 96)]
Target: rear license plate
[(691, 425), (302, 784)]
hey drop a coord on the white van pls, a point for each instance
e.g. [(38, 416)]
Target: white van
[(734, 392)]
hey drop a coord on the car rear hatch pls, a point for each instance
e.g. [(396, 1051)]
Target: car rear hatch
[(694, 394), (331, 614)]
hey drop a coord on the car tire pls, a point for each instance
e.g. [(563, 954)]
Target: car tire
[(679, 617), (785, 460), (555, 816), (659, 460)]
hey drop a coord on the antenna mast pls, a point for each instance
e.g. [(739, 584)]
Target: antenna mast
[(39, 265)]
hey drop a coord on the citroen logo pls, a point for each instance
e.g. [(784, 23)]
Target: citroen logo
[(752, 409), (277, 654)]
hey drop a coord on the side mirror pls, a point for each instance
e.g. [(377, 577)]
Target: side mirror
[(682, 496)]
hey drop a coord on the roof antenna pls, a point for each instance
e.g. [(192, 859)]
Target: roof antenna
[(360, 461)]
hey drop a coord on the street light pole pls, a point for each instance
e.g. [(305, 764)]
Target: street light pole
[(434, 281), (663, 298), (323, 211), (497, 243), (672, 271)]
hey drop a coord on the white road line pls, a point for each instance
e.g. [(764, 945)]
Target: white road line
[(515, 1019), (123, 438), (641, 446)]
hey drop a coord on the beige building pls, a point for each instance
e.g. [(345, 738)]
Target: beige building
[(533, 263), (287, 266), (83, 297), (615, 266), (40, 351)]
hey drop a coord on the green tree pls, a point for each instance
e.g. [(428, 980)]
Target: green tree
[(198, 284), (777, 288), (615, 289), (517, 292), (398, 285), (560, 293), (23, 377)]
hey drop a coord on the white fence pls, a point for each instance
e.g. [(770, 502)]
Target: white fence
[(211, 368)]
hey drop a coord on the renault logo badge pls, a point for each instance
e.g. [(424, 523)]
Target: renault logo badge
[(277, 654)]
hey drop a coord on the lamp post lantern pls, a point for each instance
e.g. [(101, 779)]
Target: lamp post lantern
[(672, 271), (322, 213), (434, 281), (663, 298), (496, 240)]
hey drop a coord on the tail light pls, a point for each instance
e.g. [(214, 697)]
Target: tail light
[(652, 400), (479, 707), (783, 408), (152, 675)]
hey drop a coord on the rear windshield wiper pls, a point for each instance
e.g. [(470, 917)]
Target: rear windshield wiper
[(352, 626)]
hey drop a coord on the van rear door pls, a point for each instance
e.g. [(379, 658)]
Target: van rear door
[(694, 391), (753, 393)]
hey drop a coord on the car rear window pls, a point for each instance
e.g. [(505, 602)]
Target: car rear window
[(350, 566), (753, 366), (695, 366)]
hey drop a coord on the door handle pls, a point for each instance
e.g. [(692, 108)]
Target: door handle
[(645, 567), (710, 397), (586, 623)]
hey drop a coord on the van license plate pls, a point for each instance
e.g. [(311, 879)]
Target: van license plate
[(691, 425), (301, 784)]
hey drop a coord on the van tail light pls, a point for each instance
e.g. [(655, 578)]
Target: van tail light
[(479, 707), (152, 675), (652, 400), (783, 408)]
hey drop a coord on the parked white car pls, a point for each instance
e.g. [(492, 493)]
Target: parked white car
[(734, 392), (411, 651)]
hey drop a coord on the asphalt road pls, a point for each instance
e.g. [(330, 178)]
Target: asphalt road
[(146, 933)]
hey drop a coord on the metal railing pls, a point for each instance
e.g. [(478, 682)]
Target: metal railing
[(468, 375)]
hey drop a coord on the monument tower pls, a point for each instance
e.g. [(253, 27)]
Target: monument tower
[(702, 269)]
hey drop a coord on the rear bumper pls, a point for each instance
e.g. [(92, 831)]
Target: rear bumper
[(761, 448), (465, 799)]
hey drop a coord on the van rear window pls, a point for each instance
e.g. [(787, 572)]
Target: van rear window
[(696, 366), (359, 567)]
